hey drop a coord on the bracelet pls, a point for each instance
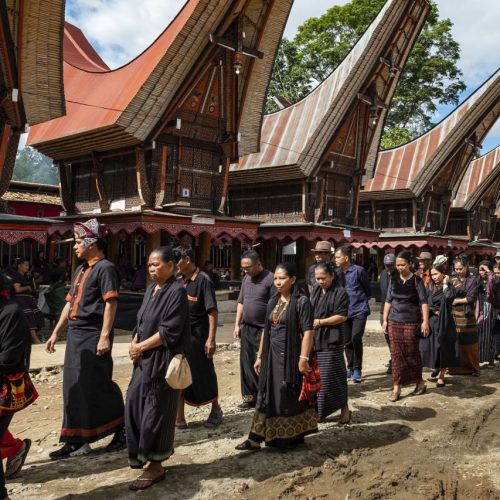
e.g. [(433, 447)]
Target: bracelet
[(304, 357)]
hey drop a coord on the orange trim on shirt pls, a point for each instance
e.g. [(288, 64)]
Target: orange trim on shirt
[(68, 297), (95, 260), (192, 299), (112, 294), (74, 305)]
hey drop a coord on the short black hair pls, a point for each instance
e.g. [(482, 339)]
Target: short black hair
[(165, 252), (328, 267), (253, 255), (183, 251), (344, 251), (289, 269), (405, 256)]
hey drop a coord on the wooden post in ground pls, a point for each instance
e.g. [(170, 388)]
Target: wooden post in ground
[(235, 259)]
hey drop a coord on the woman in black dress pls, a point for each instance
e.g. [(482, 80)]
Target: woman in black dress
[(438, 351), (406, 319), (280, 419), (486, 314), (15, 350), (23, 288), (330, 302), (463, 310), (162, 331)]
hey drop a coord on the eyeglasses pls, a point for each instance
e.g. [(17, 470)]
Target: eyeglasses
[(246, 268)]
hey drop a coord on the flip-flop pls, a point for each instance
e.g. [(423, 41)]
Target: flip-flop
[(214, 420), (143, 483), (19, 458), (247, 446)]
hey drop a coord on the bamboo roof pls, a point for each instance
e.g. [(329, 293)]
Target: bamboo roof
[(109, 109), (32, 193), (300, 134), (41, 58)]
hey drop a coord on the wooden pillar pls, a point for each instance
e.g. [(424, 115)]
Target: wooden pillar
[(204, 249), (300, 258), (235, 259), (309, 259), (112, 250), (270, 254), (152, 241)]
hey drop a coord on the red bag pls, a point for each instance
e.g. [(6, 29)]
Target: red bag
[(16, 392), (311, 384)]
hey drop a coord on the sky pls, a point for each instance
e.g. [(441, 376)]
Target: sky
[(122, 29)]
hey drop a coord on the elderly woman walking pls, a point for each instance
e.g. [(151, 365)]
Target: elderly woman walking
[(331, 304), (281, 419), (162, 331), (406, 319)]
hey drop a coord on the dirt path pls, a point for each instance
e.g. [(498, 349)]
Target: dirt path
[(443, 445)]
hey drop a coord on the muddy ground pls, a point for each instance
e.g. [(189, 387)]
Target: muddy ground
[(442, 445)]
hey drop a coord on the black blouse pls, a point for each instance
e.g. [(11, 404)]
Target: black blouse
[(165, 312), (406, 299), (333, 302)]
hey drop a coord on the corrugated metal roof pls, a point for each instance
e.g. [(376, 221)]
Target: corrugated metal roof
[(297, 134), (398, 168), (476, 174)]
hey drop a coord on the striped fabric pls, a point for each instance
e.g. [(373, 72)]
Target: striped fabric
[(486, 337), (333, 393), (405, 353)]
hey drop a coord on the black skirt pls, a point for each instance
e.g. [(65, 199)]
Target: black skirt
[(93, 403)]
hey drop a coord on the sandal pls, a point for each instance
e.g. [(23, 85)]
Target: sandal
[(419, 390), (394, 397), (16, 462), (143, 483), (213, 420), (441, 383), (247, 446)]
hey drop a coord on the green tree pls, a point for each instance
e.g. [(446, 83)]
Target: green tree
[(430, 78), (32, 166), (290, 78)]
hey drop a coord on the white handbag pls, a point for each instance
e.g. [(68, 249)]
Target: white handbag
[(179, 373)]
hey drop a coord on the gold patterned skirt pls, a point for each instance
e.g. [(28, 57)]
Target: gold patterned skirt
[(280, 419), (283, 430)]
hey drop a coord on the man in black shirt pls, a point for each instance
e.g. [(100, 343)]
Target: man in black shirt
[(385, 277), (93, 403), (255, 293), (322, 253), (203, 314)]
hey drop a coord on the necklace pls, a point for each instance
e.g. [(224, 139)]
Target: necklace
[(279, 311)]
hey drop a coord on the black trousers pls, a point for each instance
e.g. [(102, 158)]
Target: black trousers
[(354, 328), (250, 340), (4, 425)]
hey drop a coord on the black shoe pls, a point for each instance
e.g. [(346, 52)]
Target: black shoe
[(247, 405), (70, 450), (118, 442)]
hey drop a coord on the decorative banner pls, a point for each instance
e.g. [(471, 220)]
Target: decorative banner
[(13, 237)]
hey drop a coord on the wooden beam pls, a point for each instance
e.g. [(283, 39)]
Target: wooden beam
[(99, 183), (143, 185)]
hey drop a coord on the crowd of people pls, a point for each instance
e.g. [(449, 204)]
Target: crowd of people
[(299, 346)]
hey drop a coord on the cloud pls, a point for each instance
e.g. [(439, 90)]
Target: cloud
[(475, 27), (121, 29)]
